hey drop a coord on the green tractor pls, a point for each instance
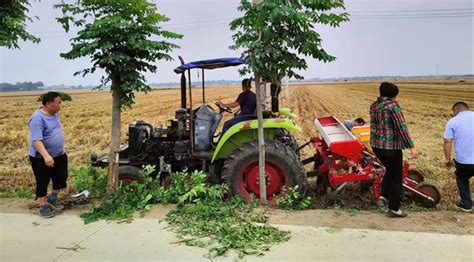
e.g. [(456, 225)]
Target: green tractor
[(191, 141)]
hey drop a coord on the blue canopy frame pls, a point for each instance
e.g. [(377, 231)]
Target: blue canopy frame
[(210, 64), (203, 64)]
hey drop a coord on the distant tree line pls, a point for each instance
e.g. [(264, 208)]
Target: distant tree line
[(20, 86)]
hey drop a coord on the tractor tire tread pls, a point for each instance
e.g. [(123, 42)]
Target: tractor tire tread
[(130, 172)]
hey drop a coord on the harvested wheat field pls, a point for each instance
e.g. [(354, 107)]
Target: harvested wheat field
[(86, 121)]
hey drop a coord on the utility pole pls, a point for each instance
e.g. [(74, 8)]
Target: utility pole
[(261, 141)]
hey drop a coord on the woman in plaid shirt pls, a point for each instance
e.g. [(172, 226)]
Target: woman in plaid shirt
[(388, 136)]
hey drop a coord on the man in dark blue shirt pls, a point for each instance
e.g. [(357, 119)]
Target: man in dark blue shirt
[(247, 100)]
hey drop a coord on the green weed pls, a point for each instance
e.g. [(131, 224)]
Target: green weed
[(415, 208), (373, 225), (292, 200), (333, 230), (353, 212), (337, 210), (89, 178), (14, 194)]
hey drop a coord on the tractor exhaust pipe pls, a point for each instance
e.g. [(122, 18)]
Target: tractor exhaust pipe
[(183, 85)]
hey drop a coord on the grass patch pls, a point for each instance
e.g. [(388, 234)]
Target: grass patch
[(354, 212), (7, 194), (373, 225), (333, 230), (451, 208), (337, 211), (16, 194), (415, 208)]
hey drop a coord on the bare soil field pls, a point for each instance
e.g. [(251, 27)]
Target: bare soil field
[(86, 121)]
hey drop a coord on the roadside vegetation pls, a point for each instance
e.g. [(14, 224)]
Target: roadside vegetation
[(203, 216)]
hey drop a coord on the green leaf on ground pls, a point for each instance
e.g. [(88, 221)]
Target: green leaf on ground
[(333, 230)]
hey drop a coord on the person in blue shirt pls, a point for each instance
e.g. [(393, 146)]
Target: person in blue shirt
[(350, 124), (47, 157), (460, 129)]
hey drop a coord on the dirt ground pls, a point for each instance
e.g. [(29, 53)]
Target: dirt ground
[(448, 222)]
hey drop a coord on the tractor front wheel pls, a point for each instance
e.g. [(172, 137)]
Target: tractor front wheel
[(128, 174), (283, 170)]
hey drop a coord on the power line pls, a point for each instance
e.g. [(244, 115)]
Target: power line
[(413, 10), (426, 14), (195, 25), (199, 21), (412, 17), (359, 15)]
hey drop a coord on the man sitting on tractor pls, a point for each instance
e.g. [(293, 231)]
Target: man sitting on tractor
[(247, 100)]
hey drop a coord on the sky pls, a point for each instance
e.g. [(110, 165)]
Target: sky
[(384, 37)]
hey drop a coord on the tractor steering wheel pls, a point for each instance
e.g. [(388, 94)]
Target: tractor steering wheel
[(223, 109)]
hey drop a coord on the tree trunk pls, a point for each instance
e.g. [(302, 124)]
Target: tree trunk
[(115, 137), (261, 143)]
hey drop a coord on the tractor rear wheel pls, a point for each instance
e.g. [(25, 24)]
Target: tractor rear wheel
[(283, 170), (129, 174)]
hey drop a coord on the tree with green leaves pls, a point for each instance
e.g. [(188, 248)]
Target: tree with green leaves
[(13, 18), (122, 37), (276, 36)]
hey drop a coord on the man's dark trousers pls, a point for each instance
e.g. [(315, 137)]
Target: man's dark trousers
[(463, 174)]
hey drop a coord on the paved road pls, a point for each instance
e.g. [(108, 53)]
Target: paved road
[(26, 237)]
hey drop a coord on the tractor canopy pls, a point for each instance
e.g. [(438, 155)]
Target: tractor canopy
[(210, 64)]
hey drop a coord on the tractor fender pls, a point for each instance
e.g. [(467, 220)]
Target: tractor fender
[(286, 112), (247, 131)]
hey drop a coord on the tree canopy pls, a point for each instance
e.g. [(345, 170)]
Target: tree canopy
[(13, 18), (117, 36), (277, 35)]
